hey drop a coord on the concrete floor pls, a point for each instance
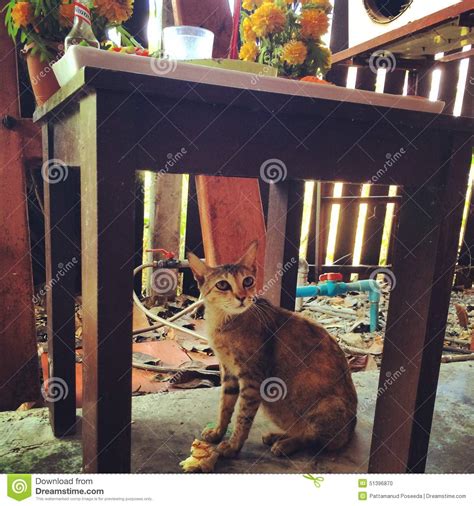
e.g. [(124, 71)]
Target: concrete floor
[(166, 424)]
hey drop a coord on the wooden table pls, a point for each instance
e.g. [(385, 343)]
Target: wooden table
[(111, 124)]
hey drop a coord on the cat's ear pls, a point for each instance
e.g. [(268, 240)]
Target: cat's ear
[(199, 268), (249, 258)]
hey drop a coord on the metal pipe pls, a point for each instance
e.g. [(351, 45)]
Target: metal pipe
[(332, 288)]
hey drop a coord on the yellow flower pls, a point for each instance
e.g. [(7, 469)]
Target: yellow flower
[(66, 14), (22, 14), (248, 51), (314, 23), (294, 52), (249, 5), (268, 19), (247, 30), (116, 11)]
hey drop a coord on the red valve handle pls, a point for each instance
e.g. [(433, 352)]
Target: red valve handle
[(169, 255), (331, 276)]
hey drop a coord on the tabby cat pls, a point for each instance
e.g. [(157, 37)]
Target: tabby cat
[(275, 358)]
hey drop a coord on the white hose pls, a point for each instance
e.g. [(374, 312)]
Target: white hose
[(162, 321)]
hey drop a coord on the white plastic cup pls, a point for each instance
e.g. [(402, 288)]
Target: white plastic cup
[(187, 43)]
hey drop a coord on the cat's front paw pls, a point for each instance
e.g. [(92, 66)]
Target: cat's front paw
[(227, 449), (211, 435)]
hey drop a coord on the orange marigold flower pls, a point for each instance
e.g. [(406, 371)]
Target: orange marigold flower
[(66, 14), (314, 79), (248, 51), (22, 14), (116, 11), (247, 30), (314, 23), (294, 52), (321, 4), (267, 19)]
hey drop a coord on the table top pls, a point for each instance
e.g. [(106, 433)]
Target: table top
[(303, 104), (258, 80)]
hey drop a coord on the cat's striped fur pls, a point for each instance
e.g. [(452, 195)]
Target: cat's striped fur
[(257, 344)]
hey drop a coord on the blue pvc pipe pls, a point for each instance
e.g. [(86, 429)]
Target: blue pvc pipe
[(333, 288)]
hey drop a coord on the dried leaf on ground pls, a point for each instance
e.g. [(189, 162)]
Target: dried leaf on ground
[(194, 345), (145, 359), (189, 378), (462, 315), (357, 362)]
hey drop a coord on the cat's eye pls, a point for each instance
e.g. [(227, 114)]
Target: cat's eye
[(248, 282), (223, 285)]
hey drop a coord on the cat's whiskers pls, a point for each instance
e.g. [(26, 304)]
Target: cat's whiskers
[(261, 315)]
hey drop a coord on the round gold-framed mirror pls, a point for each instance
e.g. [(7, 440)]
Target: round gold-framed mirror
[(386, 11)]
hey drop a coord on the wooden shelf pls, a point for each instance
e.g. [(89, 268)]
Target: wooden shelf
[(443, 31)]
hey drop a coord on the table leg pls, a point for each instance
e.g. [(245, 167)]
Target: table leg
[(60, 387), (107, 220), (424, 262), (285, 212)]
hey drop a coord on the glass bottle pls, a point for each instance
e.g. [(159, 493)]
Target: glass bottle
[(81, 33)]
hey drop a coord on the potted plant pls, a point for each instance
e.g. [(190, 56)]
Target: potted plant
[(287, 34), (42, 25)]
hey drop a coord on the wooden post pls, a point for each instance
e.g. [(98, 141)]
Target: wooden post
[(107, 251), (60, 252), (285, 210), (193, 237), (423, 265), (166, 233)]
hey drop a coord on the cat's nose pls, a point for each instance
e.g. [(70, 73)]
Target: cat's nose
[(240, 299)]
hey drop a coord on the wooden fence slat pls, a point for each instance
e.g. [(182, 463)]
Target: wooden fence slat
[(347, 226), (319, 228), (448, 85), (394, 82), (365, 79), (193, 240), (374, 226), (19, 377)]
